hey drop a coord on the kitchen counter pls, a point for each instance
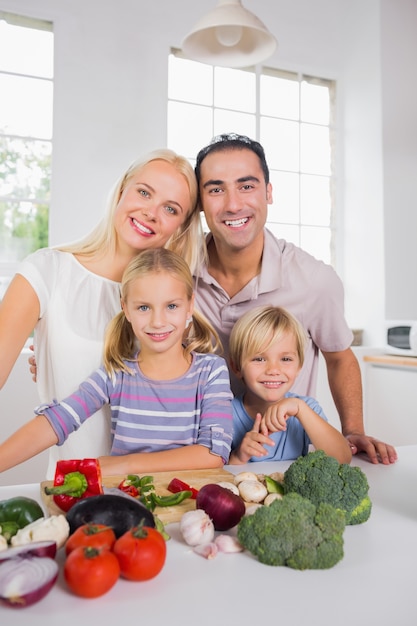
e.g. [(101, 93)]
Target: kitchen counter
[(373, 584), (391, 359)]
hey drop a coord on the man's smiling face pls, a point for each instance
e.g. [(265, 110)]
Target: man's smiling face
[(234, 197)]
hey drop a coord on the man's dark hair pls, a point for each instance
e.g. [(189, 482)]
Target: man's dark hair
[(232, 141)]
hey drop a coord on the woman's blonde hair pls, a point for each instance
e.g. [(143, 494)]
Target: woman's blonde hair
[(187, 241), (120, 343), (258, 329)]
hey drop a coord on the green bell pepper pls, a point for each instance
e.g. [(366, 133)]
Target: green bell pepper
[(16, 513)]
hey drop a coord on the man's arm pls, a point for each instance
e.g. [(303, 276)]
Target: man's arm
[(345, 383)]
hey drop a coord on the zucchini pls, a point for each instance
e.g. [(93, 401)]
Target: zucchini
[(118, 512)]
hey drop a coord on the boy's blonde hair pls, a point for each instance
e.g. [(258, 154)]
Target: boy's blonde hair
[(120, 343), (187, 241), (258, 329)]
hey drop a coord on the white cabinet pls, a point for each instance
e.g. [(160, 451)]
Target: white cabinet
[(391, 402)]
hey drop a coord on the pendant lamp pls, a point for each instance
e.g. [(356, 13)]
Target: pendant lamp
[(229, 36)]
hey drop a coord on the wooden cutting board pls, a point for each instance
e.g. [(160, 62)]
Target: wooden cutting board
[(168, 514)]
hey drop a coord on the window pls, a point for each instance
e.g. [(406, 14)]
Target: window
[(26, 73), (290, 114)]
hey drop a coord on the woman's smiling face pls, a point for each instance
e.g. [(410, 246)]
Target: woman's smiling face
[(154, 203)]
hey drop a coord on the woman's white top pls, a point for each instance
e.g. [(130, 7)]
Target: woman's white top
[(75, 308)]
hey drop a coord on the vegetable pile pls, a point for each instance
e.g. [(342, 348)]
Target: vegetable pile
[(294, 532)]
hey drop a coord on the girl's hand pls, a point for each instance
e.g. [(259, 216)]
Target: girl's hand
[(276, 415), (253, 443)]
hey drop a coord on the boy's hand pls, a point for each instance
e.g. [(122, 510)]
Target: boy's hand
[(276, 415), (253, 443)]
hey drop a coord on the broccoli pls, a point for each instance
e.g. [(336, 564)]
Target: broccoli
[(295, 533), (321, 478)]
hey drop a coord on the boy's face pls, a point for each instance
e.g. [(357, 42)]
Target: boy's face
[(270, 374)]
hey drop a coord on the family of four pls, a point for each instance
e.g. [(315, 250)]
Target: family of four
[(210, 343)]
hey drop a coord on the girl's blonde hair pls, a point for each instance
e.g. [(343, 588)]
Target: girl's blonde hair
[(120, 343), (258, 329), (187, 241)]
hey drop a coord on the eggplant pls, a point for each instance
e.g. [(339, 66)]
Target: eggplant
[(119, 513)]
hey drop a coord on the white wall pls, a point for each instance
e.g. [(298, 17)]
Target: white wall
[(110, 106)]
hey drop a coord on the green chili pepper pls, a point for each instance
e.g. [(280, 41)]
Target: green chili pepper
[(171, 500), (273, 486), (16, 513)]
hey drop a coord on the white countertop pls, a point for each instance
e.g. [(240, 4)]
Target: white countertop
[(374, 584)]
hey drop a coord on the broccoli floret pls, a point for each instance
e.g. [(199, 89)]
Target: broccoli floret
[(294, 532), (321, 478)]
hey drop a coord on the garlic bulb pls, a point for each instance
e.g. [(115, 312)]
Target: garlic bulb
[(196, 527)]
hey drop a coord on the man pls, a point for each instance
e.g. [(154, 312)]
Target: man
[(247, 266)]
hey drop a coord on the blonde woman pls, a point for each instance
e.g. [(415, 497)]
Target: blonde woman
[(270, 423), (170, 398), (68, 295)]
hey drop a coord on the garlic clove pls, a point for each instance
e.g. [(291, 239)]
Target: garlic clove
[(207, 550), (228, 544)]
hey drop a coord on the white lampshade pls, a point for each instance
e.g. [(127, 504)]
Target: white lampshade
[(229, 36)]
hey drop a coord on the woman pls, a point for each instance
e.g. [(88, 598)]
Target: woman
[(67, 295)]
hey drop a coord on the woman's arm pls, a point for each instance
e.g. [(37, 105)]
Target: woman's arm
[(19, 313), (31, 439), (187, 457)]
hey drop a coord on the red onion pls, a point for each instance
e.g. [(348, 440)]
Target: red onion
[(35, 548), (26, 580), (223, 507)]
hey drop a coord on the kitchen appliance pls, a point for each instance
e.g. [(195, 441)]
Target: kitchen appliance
[(401, 337)]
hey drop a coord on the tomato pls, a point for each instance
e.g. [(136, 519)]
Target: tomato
[(91, 572), (91, 535), (141, 552)]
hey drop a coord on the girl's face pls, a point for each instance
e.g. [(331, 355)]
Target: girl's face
[(270, 374), (157, 306), (152, 206)]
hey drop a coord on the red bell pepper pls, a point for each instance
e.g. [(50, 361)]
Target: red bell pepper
[(74, 480), (130, 485), (176, 485)]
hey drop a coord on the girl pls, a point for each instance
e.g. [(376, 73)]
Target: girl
[(69, 294), (270, 423), (170, 399)]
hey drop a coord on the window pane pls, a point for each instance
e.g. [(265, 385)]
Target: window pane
[(315, 200), (17, 47), (279, 97), (285, 194), (315, 103), (285, 231), (189, 128), (316, 241), (315, 149), (23, 229), (190, 81), (234, 89), (280, 140), (26, 106), (25, 168), (232, 122)]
